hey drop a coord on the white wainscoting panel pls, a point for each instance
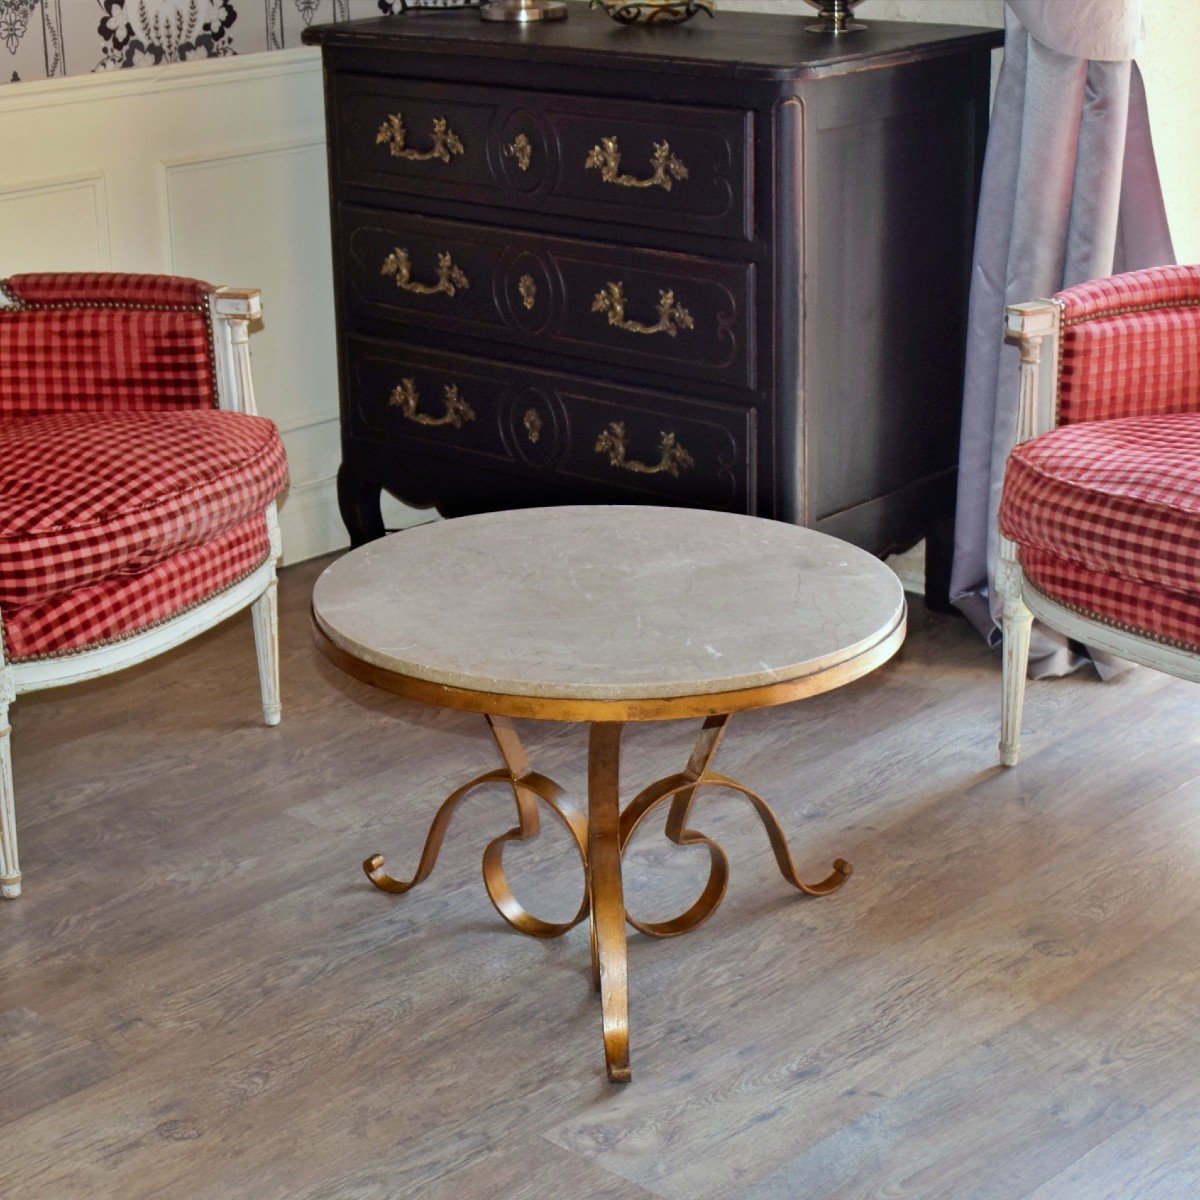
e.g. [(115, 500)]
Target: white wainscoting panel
[(213, 169), (56, 225)]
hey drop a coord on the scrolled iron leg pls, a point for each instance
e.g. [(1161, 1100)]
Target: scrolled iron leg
[(606, 895), (374, 866), (528, 787), (681, 790)]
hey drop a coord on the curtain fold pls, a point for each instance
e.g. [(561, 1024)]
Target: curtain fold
[(1070, 193)]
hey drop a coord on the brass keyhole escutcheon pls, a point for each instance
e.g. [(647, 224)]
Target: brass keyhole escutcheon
[(533, 424), (520, 150)]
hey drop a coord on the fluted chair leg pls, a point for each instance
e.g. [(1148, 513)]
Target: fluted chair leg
[(265, 614), (10, 869), (1016, 622)]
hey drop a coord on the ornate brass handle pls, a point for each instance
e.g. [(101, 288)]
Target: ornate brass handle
[(450, 281), (446, 142), (674, 456), (406, 398), (672, 317), (606, 158), (522, 150)]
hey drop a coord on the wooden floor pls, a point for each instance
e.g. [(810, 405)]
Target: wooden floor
[(201, 996)]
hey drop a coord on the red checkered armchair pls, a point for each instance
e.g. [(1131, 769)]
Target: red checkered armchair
[(137, 498), (1100, 516)]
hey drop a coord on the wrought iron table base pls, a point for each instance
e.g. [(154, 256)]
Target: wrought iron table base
[(601, 836)]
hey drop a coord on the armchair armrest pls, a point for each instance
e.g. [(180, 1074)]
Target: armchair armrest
[(232, 311), (1036, 327)]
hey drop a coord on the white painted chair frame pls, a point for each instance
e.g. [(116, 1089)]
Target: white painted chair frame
[(232, 310), (1037, 326)]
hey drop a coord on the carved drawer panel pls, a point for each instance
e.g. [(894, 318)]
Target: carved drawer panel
[(691, 453), (678, 314), (437, 400), (670, 167), (613, 440)]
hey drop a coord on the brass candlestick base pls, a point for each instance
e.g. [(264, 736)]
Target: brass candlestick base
[(524, 11), (835, 16)]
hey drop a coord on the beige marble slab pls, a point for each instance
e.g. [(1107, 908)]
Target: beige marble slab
[(607, 602)]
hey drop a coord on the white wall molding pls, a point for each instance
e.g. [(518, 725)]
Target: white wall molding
[(206, 74), (301, 421), (172, 166), (41, 193)]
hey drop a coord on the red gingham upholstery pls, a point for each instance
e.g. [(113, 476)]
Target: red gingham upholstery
[(1121, 497), (84, 496), (105, 342), (122, 605), (1130, 346), (1163, 614), (105, 287)]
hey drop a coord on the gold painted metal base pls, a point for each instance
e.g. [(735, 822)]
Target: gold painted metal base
[(601, 837)]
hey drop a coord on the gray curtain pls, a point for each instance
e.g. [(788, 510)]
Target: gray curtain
[(1070, 193)]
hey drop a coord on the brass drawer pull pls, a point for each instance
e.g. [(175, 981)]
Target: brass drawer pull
[(406, 398), (450, 281), (533, 424), (446, 142), (522, 150), (528, 290), (674, 456), (606, 158), (672, 317)]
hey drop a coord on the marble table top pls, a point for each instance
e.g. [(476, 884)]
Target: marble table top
[(607, 602)]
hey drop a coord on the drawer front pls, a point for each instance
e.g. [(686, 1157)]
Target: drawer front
[(617, 441), (681, 315), (659, 165)]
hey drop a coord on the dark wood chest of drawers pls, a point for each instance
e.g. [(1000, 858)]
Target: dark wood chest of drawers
[(722, 265)]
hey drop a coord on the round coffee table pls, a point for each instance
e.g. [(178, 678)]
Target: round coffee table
[(605, 615)]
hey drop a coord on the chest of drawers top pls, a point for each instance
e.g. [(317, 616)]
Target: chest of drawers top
[(751, 47)]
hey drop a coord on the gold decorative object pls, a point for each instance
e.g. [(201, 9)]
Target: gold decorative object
[(522, 150), (672, 317), (406, 398), (528, 290), (533, 424), (606, 158), (651, 12), (673, 455), (450, 281), (836, 16), (446, 142)]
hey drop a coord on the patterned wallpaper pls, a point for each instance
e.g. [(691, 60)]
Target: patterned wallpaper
[(40, 39)]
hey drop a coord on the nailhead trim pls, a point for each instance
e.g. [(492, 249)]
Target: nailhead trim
[(1131, 308), (124, 637), (1100, 619)]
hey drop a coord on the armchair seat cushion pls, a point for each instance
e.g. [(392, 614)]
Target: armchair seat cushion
[(86, 496), (1162, 614), (123, 604), (1118, 498)]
